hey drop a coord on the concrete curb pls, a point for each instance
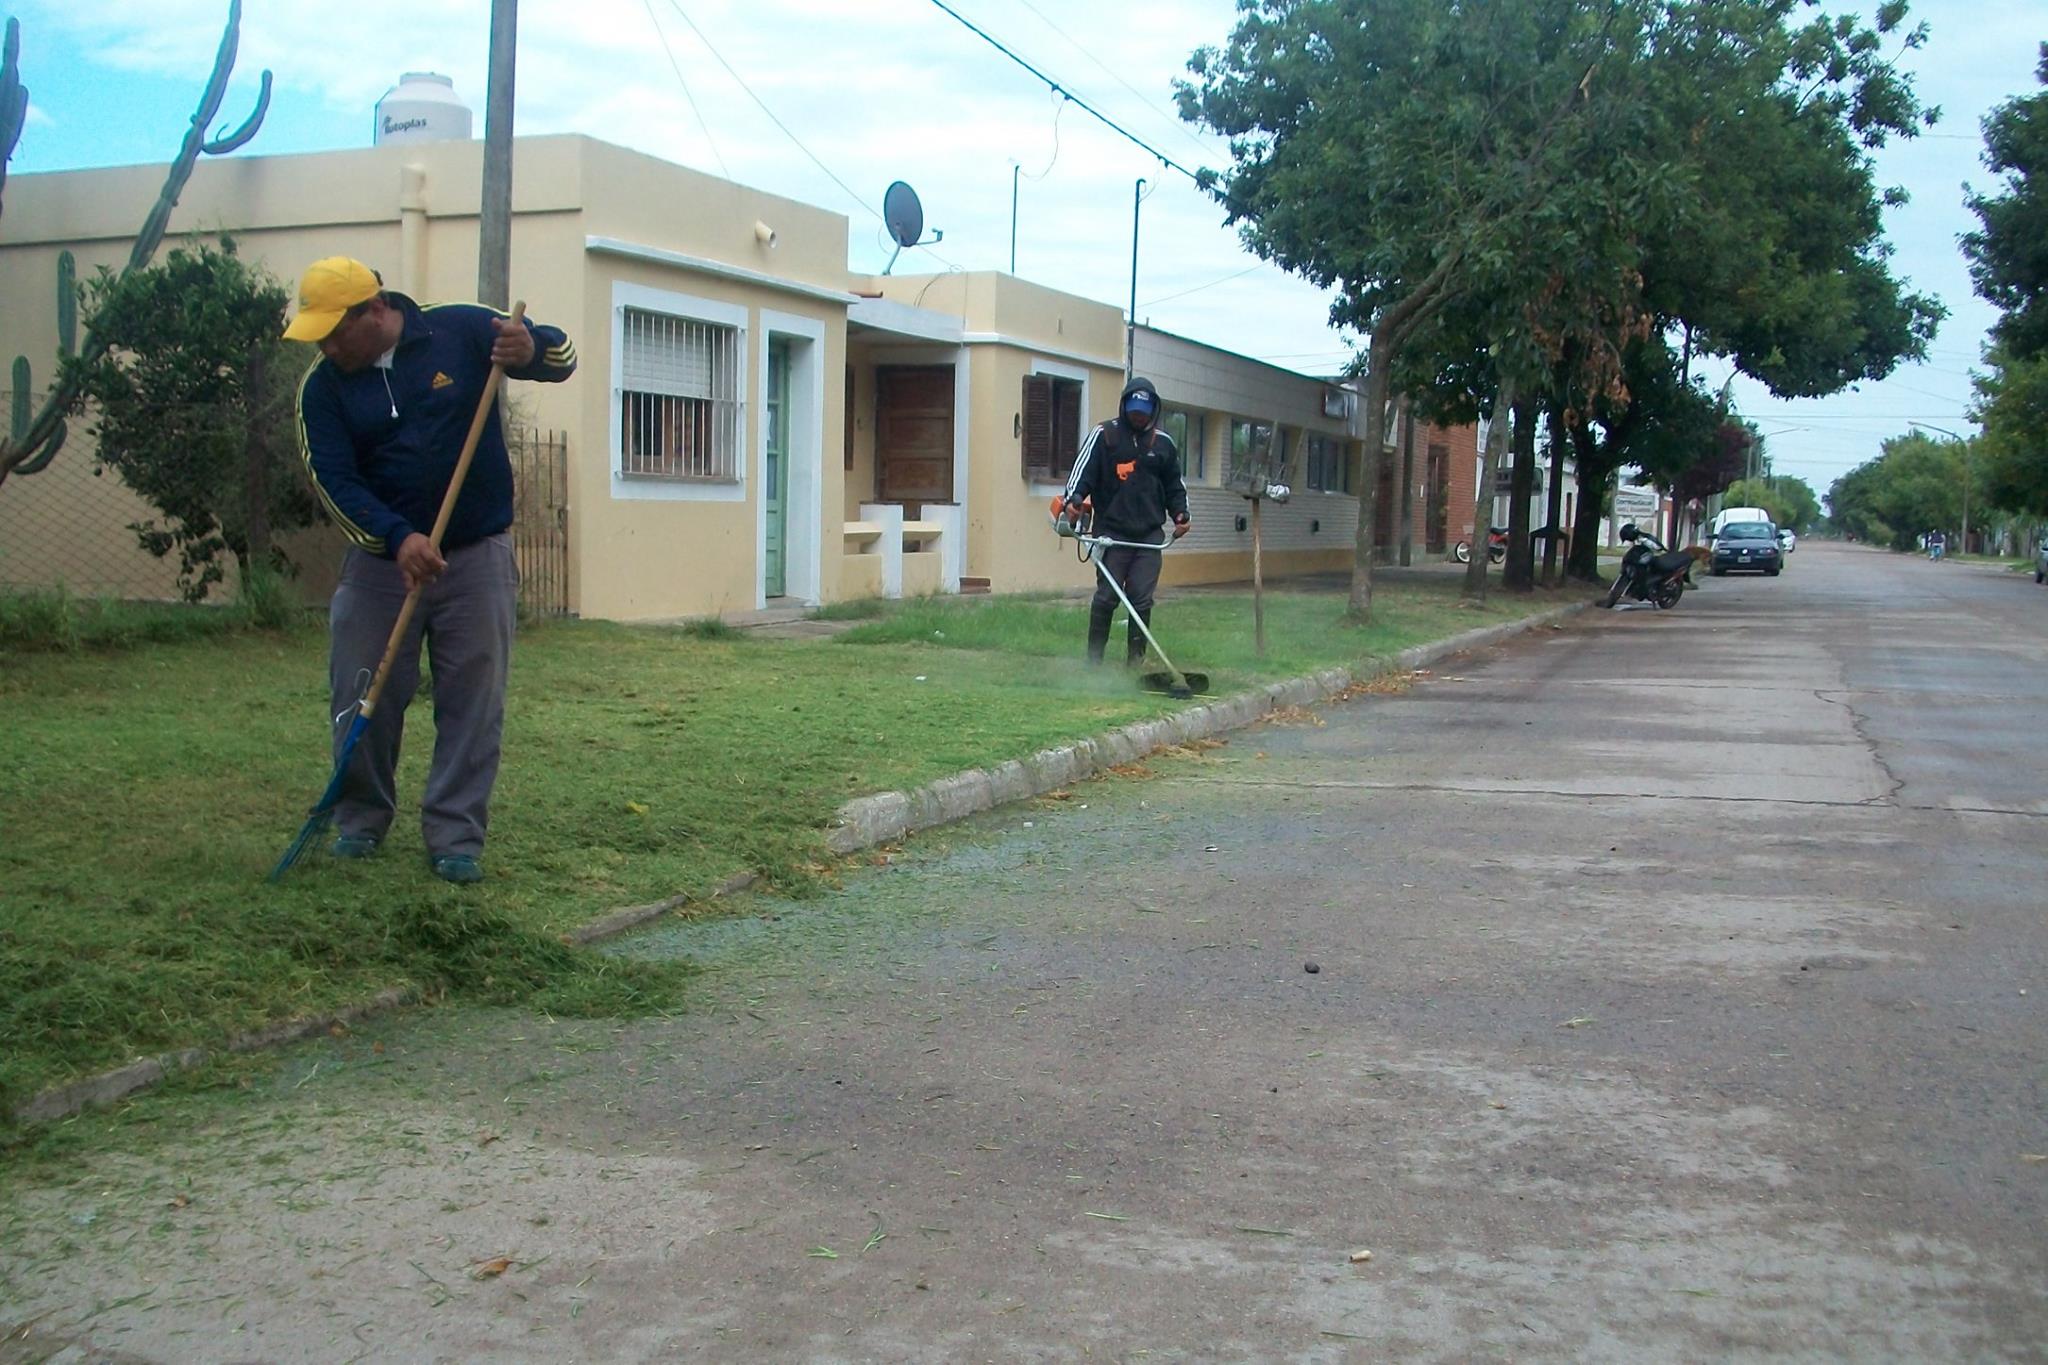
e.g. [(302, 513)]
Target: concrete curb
[(61, 1102), (889, 816), (859, 824)]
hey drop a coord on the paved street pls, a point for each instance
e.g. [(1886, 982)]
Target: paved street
[(1678, 995)]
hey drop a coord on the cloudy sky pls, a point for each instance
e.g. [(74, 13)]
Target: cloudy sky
[(877, 90)]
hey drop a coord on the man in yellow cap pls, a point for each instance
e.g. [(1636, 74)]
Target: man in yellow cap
[(382, 419)]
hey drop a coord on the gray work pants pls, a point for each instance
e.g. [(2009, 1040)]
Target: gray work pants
[(465, 620), (1137, 572)]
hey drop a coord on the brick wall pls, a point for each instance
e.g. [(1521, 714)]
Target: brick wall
[(1458, 456)]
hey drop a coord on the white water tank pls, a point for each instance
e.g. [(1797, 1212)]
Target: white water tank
[(422, 107)]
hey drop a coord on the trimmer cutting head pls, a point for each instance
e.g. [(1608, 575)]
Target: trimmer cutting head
[(1187, 685)]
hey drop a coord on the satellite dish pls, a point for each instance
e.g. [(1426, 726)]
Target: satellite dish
[(904, 216), (903, 213)]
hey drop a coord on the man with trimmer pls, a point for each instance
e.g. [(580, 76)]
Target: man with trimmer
[(1128, 476), (383, 419)]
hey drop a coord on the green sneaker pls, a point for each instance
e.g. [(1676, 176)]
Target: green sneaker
[(355, 846), (460, 868)]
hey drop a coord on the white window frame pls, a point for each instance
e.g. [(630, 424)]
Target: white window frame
[(688, 308), (1194, 465)]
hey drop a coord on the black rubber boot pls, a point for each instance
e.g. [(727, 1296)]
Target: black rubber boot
[(1098, 632), (1134, 646)]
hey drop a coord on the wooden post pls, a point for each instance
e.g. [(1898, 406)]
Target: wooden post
[(1258, 587), (494, 236)]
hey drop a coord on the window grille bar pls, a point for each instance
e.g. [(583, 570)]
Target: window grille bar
[(680, 399)]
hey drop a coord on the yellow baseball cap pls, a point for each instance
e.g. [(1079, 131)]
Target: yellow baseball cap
[(329, 288)]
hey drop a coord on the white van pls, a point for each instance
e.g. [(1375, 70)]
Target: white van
[(1734, 514)]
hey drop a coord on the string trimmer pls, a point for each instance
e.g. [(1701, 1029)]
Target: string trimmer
[(1173, 682)]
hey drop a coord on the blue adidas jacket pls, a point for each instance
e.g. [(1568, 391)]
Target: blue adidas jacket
[(381, 458)]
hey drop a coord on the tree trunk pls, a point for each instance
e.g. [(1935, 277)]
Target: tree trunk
[(1393, 328), (1379, 362), (1407, 419), (1583, 563), (1518, 573), (1482, 500), (1554, 512), (1258, 583)]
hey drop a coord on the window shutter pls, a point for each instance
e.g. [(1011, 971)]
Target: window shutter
[(1066, 429), (1038, 442)]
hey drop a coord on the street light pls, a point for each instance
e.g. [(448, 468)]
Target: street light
[(1965, 445)]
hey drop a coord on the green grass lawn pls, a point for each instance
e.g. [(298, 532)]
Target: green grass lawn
[(150, 788)]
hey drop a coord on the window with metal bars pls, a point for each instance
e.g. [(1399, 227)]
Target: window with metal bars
[(679, 395)]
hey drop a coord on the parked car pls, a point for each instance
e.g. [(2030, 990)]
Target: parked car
[(1727, 516), (1747, 547), (1788, 539)]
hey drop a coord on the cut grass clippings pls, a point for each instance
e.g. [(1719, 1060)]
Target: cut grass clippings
[(148, 791)]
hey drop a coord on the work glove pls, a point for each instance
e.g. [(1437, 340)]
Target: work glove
[(1181, 526)]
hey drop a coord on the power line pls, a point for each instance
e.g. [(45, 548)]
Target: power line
[(1061, 90), (759, 103), (1200, 287), (709, 141), (1178, 125), (851, 193)]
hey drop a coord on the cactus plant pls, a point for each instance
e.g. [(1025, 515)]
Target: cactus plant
[(13, 97), (67, 304), (29, 449)]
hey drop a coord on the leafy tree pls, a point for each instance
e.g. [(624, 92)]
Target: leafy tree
[(192, 407), (1534, 196), (2009, 265), (2009, 254), (2012, 406), (1407, 153), (1914, 486), (1790, 501)]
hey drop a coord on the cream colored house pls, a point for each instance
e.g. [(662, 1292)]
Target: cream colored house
[(751, 425)]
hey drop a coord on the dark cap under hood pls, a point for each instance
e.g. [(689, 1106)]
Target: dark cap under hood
[(1138, 384)]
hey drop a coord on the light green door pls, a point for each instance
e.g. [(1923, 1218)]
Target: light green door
[(775, 475)]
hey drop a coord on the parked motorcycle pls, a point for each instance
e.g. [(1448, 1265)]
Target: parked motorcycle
[(1649, 572), (1496, 546)]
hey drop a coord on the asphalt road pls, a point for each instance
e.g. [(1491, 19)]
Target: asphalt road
[(1679, 997)]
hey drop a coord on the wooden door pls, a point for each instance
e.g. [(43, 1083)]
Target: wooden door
[(914, 433)]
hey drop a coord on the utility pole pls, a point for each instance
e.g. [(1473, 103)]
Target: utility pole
[(494, 231), (1131, 327)]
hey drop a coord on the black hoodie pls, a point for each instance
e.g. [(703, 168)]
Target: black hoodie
[(1133, 478)]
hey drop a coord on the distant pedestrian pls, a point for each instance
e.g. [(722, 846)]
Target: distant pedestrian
[(382, 420), (1937, 544)]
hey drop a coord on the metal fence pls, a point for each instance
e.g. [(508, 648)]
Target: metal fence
[(540, 519), (73, 526)]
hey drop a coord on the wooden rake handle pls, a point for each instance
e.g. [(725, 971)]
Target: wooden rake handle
[(469, 444)]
